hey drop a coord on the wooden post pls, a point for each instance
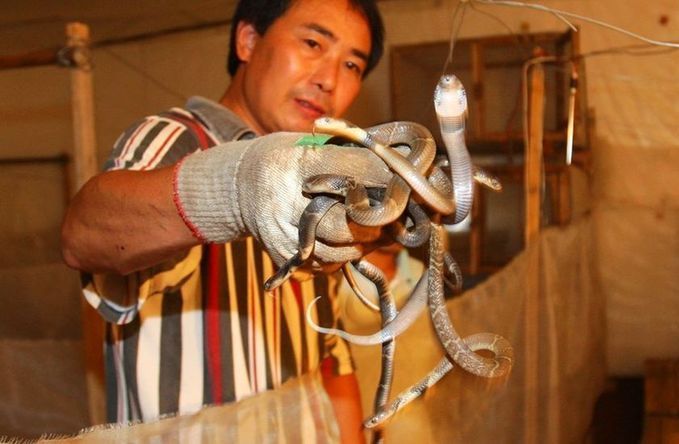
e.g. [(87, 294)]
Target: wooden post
[(478, 119), (82, 104), (476, 232), (532, 186), (560, 193), (533, 154), (661, 401), (85, 166)]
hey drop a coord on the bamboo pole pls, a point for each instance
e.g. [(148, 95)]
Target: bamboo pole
[(84, 166)]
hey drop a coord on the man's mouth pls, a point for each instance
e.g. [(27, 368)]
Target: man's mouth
[(311, 107)]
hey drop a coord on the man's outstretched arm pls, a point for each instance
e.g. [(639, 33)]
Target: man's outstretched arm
[(123, 221)]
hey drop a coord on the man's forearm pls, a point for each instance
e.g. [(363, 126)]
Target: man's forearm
[(123, 221), (346, 402)]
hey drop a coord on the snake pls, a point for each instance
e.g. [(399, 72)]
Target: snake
[(404, 169), (358, 206), (349, 276), (478, 341), (379, 212), (411, 310), (417, 232), (396, 196), (408, 395), (311, 216), (449, 197), (486, 179), (451, 107), (458, 349), (450, 103), (388, 312)]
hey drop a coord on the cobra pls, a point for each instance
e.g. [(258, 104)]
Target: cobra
[(450, 103)]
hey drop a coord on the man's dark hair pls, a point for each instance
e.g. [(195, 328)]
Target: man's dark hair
[(262, 13)]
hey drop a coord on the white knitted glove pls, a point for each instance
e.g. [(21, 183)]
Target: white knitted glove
[(255, 187)]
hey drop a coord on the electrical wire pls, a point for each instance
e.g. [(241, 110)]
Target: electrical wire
[(562, 14), (455, 31), (651, 47)]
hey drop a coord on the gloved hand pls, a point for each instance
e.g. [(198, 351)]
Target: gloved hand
[(255, 187)]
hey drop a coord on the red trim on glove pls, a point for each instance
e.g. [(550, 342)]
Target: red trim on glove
[(180, 208)]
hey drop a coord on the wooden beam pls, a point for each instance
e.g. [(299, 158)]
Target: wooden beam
[(84, 166), (27, 160), (42, 57)]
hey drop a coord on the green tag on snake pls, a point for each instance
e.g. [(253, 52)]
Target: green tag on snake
[(313, 139)]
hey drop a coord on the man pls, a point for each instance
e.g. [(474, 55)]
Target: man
[(164, 232)]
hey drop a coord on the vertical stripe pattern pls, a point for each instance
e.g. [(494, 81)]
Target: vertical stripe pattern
[(204, 334)]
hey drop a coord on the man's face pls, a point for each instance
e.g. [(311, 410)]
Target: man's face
[(308, 64)]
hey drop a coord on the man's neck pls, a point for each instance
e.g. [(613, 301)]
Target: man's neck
[(234, 100)]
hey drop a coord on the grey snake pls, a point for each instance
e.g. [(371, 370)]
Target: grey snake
[(447, 198)]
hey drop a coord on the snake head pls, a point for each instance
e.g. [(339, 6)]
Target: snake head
[(323, 121), (329, 184), (376, 420), (450, 97), (327, 123)]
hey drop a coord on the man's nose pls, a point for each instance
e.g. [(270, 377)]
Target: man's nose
[(326, 75)]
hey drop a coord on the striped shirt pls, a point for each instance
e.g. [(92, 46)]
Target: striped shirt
[(200, 329)]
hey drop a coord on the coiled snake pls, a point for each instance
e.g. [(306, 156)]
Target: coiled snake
[(446, 198)]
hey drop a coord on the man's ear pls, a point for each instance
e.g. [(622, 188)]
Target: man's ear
[(246, 39)]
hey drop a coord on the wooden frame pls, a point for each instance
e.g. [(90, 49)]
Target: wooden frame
[(82, 165), (415, 69)]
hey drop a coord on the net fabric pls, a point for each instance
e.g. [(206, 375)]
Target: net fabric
[(298, 412), (567, 353), (636, 214), (549, 291)]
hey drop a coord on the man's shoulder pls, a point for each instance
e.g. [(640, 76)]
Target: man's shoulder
[(222, 122), (163, 138), (158, 140)]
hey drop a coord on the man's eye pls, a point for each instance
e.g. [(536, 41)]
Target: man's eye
[(312, 43), (354, 67)]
